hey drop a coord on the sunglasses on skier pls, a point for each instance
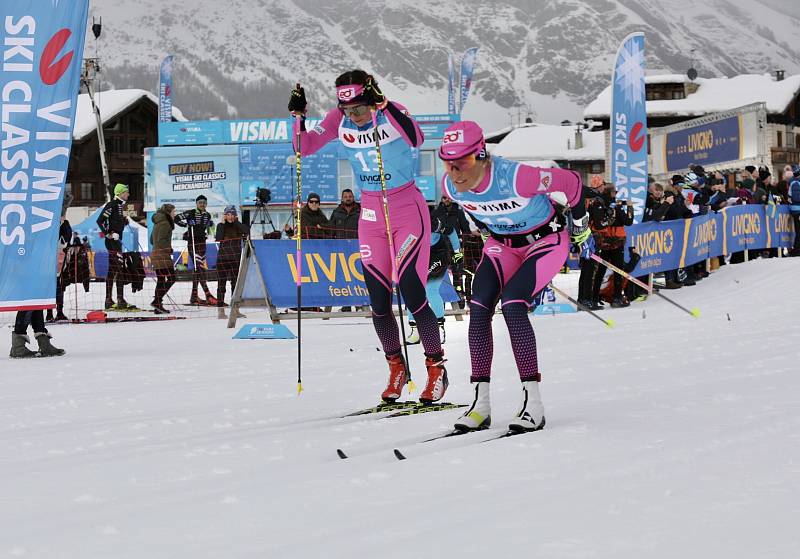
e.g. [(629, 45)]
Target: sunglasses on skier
[(460, 165), (355, 110)]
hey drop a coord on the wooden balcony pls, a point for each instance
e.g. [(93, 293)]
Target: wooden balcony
[(785, 156)]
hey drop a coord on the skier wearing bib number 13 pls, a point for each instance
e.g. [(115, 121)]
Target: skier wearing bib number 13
[(352, 123), (525, 210)]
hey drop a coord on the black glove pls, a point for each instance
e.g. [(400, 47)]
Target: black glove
[(297, 102), (373, 94)]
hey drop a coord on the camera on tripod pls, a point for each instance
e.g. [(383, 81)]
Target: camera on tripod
[(263, 197)]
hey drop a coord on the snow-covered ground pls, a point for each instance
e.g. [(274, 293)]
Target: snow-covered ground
[(667, 436)]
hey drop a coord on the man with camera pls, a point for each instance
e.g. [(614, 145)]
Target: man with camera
[(198, 223), (608, 218)]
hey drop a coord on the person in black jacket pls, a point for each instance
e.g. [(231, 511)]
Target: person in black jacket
[(592, 192), (64, 240), (344, 219), (112, 222), (198, 223), (608, 218), (453, 218), (230, 234)]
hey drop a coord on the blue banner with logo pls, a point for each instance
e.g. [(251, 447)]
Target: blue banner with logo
[(467, 70), (670, 245), (165, 91), (629, 124), (253, 131), (40, 80), (178, 175), (715, 142), (272, 166), (745, 227), (332, 273), (451, 84)]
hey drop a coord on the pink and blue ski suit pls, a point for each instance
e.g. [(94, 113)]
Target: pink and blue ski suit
[(528, 246), (409, 218)]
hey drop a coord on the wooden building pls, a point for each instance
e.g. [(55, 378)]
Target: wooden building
[(673, 99), (130, 124)]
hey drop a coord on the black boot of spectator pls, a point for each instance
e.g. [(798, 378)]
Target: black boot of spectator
[(46, 349)]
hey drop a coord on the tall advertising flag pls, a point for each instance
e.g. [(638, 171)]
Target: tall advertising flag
[(165, 91), (39, 83), (451, 84), (467, 69), (629, 124)]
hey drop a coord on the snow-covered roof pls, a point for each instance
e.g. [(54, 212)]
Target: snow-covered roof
[(712, 95), (111, 103), (551, 142)]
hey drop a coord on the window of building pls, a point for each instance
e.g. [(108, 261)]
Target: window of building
[(87, 191), (345, 179), (797, 140), (67, 188), (427, 164), (678, 95), (780, 139), (597, 168)]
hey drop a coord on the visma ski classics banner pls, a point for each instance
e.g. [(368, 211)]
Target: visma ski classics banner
[(42, 55), (629, 125)]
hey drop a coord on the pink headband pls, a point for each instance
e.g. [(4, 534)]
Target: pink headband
[(349, 93)]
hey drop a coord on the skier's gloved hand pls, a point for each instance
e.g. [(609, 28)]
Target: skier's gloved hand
[(297, 101), (458, 256), (114, 236), (579, 231), (373, 94)]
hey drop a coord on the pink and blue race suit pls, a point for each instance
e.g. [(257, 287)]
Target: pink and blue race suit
[(409, 219), (528, 246)]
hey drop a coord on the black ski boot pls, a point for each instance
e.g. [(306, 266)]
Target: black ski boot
[(18, 348), (46, 349)]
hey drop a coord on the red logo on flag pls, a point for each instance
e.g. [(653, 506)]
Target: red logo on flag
[(636, 139), (51, 70)]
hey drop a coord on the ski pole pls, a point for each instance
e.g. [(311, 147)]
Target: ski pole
[(608, 323), (392, 254), (298, 261), (695, 312)]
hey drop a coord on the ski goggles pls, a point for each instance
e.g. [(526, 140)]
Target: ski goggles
[(355, 110), (460, 165)]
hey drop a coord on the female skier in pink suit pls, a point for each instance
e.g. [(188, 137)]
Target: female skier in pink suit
[(528, 246), (352, 123)]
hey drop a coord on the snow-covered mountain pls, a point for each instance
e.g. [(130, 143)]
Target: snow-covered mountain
[(549, 58)]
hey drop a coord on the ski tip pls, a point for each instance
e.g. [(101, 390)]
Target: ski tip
[(341, 454), (399, 455)]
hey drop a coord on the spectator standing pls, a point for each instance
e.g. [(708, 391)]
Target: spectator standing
[(794, 208), (64, 240), (344, 219), (161, 255), (608, 218), (230, 234), (588, 266), (454, 220), (313, 221), (112, 222), (198, 224), (437, 270)]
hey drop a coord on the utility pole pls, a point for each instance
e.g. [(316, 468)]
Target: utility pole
[(89, 72)]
